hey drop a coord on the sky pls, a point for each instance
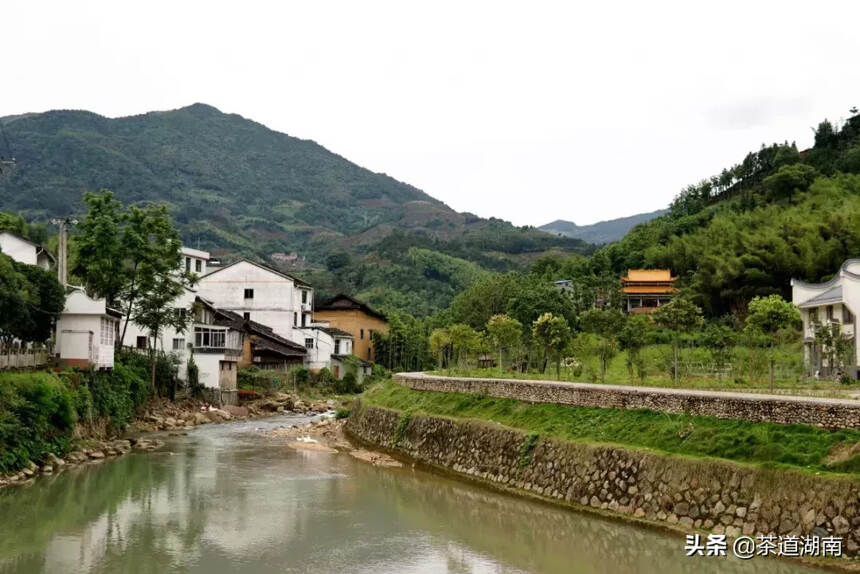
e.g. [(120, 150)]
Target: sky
[(529, 111)]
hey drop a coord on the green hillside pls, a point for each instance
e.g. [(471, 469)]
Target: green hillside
[(776, 215), (237, 188)]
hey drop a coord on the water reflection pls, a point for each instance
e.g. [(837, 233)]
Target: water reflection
[(223, 501)]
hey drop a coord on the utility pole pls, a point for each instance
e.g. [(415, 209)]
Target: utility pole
[(63, 249)]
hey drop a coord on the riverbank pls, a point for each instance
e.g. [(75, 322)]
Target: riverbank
[(678, 493), (91, 443)]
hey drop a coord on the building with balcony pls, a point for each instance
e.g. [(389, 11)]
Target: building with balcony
[(644, 290), (833, 302), (261, 294)]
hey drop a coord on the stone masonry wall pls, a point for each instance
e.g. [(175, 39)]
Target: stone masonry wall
[(830, 413), (717, 496)]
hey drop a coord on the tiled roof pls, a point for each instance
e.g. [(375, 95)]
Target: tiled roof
[(343, 302), (832, 295), (648, 275)]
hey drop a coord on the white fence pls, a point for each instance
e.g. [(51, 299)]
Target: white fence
[(23, 358)]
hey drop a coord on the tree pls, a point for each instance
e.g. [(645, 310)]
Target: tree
[(535, 297), (790, 179), (769, 316), (720, 341), (678, 316), (464, 340), (46, 302), (101, 261), (155, 311), (505, 333), (440, 346), (337, 261), (632, 338), (606, 325), (15, 297), (553, 335)]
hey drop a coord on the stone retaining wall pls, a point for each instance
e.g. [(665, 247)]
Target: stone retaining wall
[(830, 413), (716, 496)]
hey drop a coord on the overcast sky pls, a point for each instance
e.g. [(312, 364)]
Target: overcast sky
[(527, 111)]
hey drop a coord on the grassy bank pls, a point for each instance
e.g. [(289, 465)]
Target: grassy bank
[(747, 370), (757, 443)]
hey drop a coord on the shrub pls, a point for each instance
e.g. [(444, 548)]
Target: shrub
[(341, 413), (348, 384), (37, 417)]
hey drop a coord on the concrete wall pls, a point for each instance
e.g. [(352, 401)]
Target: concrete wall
[(717, 496), (830, 413)]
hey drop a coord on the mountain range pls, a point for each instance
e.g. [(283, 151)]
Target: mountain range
[(240, 189), (603, 231)]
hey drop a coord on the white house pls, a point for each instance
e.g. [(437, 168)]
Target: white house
[(86, 331), (834, 301), (217, 349), (261, 294), (195, 261), (323, 342), (24, 251)]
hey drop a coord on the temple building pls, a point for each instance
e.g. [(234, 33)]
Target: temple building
[(646, 289)]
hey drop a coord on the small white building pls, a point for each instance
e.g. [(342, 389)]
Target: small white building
[(836, 302), (86, 332), (324, 342), (261, 294), (216, 349), (24, 251), (195, 261)]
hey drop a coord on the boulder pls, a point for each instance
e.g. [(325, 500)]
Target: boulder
[(200, 418), (96, 455), (237, 411)]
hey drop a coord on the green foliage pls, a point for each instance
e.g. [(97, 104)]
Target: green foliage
[(606, 326), (789, 180), (405, 346), (632, 338), (46, 299), (37, 417), (699, 436), (678, 316), (527, 449), (402, 423), (348, 384), (440, 346), (552, 334), (341, 414)]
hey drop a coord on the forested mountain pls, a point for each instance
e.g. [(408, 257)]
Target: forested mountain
[(237, 188), (777, 215), (602, 231)]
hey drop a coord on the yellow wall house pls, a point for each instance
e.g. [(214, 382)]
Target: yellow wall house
[(356, 318)]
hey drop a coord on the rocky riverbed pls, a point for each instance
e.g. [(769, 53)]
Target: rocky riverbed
[(158, 415)]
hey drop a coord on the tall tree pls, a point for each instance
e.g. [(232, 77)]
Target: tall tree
[(46, 302), (101, 261), (678, 316), (720, 341), (15, 297), (769, 316), (505, 333), (632, 338), (553, 335), (606, 325), (440, 346), (464, 341)]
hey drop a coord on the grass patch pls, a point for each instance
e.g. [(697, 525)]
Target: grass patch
[(758, 443)]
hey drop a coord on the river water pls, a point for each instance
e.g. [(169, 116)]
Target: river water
[(223, 499)]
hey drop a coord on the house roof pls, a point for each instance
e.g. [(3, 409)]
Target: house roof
[(342, 302), (347, 357), (39, 248), (843, 272), (340, 333), (832, 295), (261, 266), (648, 275)]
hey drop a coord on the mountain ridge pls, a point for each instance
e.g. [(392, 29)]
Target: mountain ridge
[(602, 232)]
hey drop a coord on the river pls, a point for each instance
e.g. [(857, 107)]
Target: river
[(224, 499)]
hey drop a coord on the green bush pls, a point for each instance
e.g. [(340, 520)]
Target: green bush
[(348, 384), (37, 417), (341, 413)]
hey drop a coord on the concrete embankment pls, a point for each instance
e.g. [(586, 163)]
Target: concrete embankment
[(685, 493), (823, 412)]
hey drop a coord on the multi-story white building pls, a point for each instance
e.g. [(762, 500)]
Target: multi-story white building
[(262, 294), (836, 302)]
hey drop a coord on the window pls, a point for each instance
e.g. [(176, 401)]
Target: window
[(178, 344), (188, 264), (337, 346), (247, 315), (304, 320), (309, 343), (370, 334), (304, 296), (295, 319), (847, 317), (107, 333), (211, 338), (830, 312), (226, 366), (249, 293), (141, 342), (198, 265), (361, 334)]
